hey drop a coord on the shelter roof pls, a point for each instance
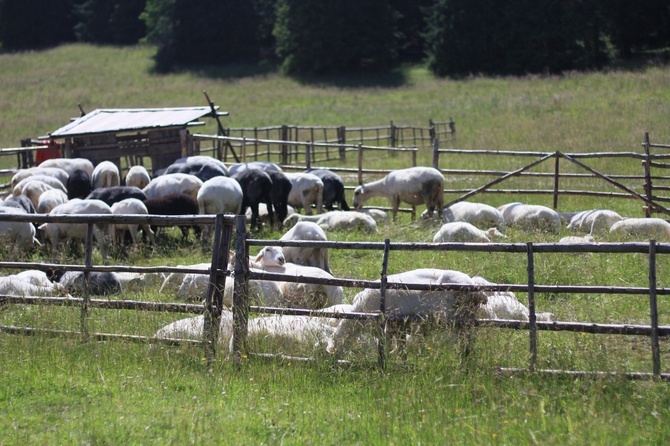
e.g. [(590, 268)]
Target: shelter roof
[(118, 120)]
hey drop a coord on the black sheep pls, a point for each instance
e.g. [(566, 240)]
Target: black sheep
[(114, 194), (333, 188), (174, 204), (281, 187), (78, 184), (101, 283), (256, 188)]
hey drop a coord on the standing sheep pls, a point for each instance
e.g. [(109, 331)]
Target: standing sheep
[(414, 185), (173, 183), (333, 189), (317, 257), (219, 195), (306, 190), (131, 206), (138, 176), (105, 174), (256, 188)]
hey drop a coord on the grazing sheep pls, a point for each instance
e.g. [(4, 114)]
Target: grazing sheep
[(505, 305), (256, 188), (415, 185), (131, 206), (33, 190), (20, 233), (50, 199), (69, 165), (296, 294), (20, 202), (219, 195), (174, 204), (588, 238), (55, 172), (481, 215), (236, 169), (77, 231), (337, 221), (201, 166), (281, 189), (531, 217), (460, 231), (78, 184), (173, 183), (306, 190), (439, 306), (263, 215), (333, 189), (317, 257), (642, 228), (138, 176), (105, 174), (114, 194), (594, 221)]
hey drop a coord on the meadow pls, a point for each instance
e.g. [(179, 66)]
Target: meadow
[(59, 391)]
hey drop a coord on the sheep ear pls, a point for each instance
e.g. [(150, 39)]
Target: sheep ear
[(259, 257)]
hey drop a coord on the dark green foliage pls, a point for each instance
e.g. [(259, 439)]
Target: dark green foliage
[(27, 24), (325, 36)]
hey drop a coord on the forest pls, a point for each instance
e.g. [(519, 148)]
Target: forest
[(454, 38)]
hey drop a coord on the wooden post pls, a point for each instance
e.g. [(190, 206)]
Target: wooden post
[(240, 293), (342, 139), (183, 141), (382, 346), (532, 320), (452, 129), (284, 145), (308, 155), (646, 164), (393, 134), (556, 177), (244, 149), (414, 152), (436, 153), (360, 163), (653, 311), (88, 262)]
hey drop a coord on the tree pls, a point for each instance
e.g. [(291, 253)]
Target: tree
[(26, 24)]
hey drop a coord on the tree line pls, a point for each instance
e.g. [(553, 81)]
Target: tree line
[(304, 37)]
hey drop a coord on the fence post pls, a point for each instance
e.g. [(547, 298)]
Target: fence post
[(556, 176), (532, 320), (88, 262), (393, 135), (452, 129), (646, 164), (342, 140), (243, 155), (284, 146), (382, 346), (240, 292), (653, 311), (414, 152), (436, 152), (360, 163), (308, 155)]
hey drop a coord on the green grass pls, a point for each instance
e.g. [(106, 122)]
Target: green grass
[(67, 391)]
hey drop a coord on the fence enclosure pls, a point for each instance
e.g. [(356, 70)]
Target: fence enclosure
[(218, 272)]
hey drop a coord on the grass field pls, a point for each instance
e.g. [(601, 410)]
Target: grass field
[(66, 391)]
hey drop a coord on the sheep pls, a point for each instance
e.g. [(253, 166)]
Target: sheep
[(55, 172), (131, 206), (70, 164), (317, 257), (263, 215), (54, 182), (460, 231), (435, 305), (333, 189), (105, 174), (594, 221), (56, 231), (281, 189), (203, 167), (20, 233), (26, 285), (414, 185), (337, 221), (114, 194), (588, 238), (298, 295), (174, 204), (78, 184), (505, 305), (20, 202), (256, 188), (136, 282), (378, 215), (50, 199), (644, 228), (33, 190), (219, 195), (188, 286), (173, 183), (531, 217), (100, 283), (481, 215), (138, 176), (306, 190), (236, 169)]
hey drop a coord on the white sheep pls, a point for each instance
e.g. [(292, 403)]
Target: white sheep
[(70, 164), (131, 206), (173, 183), (105, 174), (460, 231), (20, 233), (531, 217), (33, 190), (571, 239), (481, 215), (263, 213), (642, 228), (414, 185), (219, 195), (50, 180), (297, 294), (77, 231), (235, 169), (26, 285), (138, 176), (55, 172), (50, 199), (505, 305), (378, 215), (137, 282), (594, 221), (309, 256), (188, 286), (436, 305), (337, 221), (306, 190)]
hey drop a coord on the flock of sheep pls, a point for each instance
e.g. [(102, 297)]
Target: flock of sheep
[(204, 185)]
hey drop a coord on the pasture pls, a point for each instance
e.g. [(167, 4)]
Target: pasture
[(71, 391)]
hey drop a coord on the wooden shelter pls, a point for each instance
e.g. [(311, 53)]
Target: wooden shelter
[(160, 134)]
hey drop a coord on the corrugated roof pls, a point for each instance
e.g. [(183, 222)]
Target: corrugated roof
[(130, 119)]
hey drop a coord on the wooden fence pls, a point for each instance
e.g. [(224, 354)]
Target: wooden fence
[(656, 187), (218, 272)]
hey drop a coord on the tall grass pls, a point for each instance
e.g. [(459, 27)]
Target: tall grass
[(59, 391)]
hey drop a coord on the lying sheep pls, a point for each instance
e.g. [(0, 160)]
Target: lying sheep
[(317, 257), (461, 231), (642, 228), (101, 283), (337, 221), (505, 305), (480, 215), (594, 221), (531, 217), (588, 238)]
